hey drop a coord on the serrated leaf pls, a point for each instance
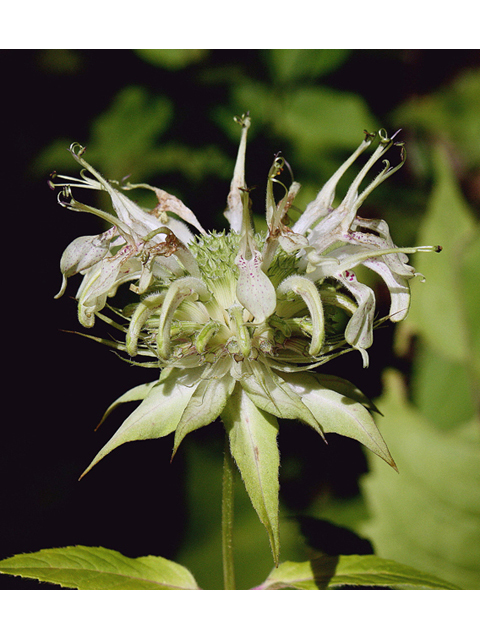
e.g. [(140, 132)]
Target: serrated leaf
[(376, 572), (429, 515), (330, 572), (90, 568), (253, 443)]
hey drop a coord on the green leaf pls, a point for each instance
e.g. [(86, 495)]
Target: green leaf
[(123, 139), (429, 515), (377, 572), (438, 306), (344, 117), (436, 378), (293, 64), (172, 59), (253, 443), (470, 277), (312, 575), (337, 571), (450, 114), (90, 568), (158, 415)]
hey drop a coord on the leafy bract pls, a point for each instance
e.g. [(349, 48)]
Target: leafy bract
[(253, 443), (139, 392), (340, 414), (205, 405), (158, 414), (90, 568), (330, 572)]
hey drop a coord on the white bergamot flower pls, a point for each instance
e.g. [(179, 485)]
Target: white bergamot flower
[(238, 321)]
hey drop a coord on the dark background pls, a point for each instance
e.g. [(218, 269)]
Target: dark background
[(56, 385)]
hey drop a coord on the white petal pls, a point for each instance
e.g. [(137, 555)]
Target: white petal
[(359, 330), (254, 289), (83, 253), (398, 287)]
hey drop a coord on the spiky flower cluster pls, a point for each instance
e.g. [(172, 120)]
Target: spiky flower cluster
[(236, 321)]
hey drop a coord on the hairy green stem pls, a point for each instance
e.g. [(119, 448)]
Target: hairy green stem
[(227, 517)]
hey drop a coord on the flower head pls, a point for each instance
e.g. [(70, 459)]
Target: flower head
[(238, 321)]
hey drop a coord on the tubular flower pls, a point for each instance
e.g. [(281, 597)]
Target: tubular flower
[(238, 321)]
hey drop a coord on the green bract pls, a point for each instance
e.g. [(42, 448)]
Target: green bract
[(237, 321)]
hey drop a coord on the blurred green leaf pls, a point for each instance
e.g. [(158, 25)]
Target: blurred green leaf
[(311, 117), (470, 278), (172, 59), (124, 137), (428, 516), (441, 388), (445, 309), (91, 568), (438, 311), (330, 572), (450, 114), (293, 64), (319, 119)]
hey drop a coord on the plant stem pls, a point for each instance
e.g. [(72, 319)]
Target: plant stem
[(227, 517)]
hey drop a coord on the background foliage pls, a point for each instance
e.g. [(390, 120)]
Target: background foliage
[(166, 117)]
